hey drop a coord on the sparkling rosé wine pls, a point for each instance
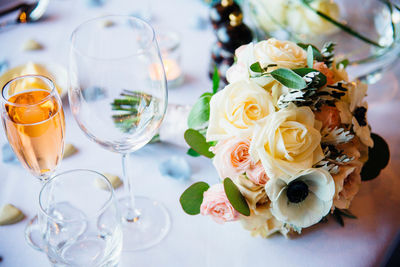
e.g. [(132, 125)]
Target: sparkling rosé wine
[(35, 129)]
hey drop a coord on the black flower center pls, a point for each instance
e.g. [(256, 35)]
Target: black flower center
[(297, 191), (359, 114)]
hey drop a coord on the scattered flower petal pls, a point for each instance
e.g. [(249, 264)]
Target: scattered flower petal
[(176, 168), (32, 45), (114, 180), (69, 150), (9, 214)]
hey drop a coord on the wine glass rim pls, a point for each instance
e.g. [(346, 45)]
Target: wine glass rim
[(106, 204), (128, 17), (46, 98)]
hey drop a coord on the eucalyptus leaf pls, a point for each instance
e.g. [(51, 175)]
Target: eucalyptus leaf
[(192, 198), (288, 78), (198, 143), (345, 62), (215, 80), (378, 158), (200, 113), (256, 67), (310, 57), (236, 198), (317, 54), (192, 152), (304, 71)]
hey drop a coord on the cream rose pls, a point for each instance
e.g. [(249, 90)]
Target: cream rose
[(287, 142), (254, 194), (235, 110), (285, 54), (263, 223)]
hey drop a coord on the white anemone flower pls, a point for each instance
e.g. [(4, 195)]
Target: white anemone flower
[(303, 199)]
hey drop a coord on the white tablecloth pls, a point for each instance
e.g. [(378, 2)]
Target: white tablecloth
[(197, 240)]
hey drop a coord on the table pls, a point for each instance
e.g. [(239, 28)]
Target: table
[(197, 240)]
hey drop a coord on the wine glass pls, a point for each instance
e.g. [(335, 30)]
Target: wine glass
[(118, 96), (33, 120), (79, 230)]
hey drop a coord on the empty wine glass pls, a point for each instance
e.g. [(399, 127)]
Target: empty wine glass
[(79, 230), (118, 97)]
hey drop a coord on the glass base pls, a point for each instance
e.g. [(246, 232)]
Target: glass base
[(147, 227), (33, 235)]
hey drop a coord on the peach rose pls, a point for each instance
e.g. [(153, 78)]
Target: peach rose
[(256, 173), (216, 204), (329, 116), (323, 68), (232, 157), (347, 183)]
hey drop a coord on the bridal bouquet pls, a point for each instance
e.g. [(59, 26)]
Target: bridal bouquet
[(288, 136)]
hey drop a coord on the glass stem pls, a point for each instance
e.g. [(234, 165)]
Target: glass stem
[(131, 214)]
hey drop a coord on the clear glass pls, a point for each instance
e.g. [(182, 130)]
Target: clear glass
[(118, 105), (79, 230), (375, 20), (169, 43), (33, 120)]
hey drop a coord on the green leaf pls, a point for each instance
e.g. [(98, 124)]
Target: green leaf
[(200, 113), (215, 80), (316, 53), (346, 213), (235, 197), (198, 143), (192, 152), (256, 67), (192, 198), (378, 158), (345, 62), (288, 78), (310, 57), (338, 217), (304, 71)]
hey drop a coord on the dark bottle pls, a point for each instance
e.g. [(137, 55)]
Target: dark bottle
[(235, 33), (219, 13), (219, 54)]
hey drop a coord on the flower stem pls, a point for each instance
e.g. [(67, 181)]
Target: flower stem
[(342, 26)]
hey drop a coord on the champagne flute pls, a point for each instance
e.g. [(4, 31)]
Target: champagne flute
[(33, 120), (118, 96)]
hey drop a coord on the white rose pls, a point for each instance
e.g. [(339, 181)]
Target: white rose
[(303, 199), (285, 54), (287, 142), (235, 110), (303, 20)]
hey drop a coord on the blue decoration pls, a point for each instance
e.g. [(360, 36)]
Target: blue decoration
[(95, 3), (3, 65), (93, 93), (176, 168), (199, 23), (8, 154)]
